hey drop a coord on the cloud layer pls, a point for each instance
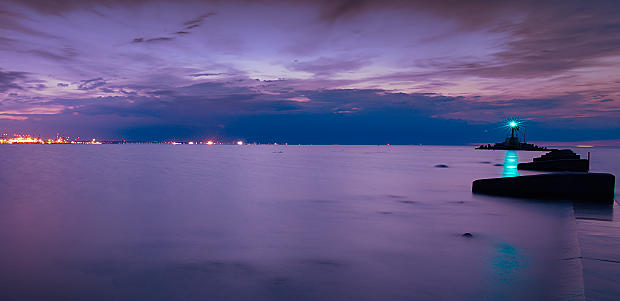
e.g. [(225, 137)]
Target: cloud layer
[(162, 69)]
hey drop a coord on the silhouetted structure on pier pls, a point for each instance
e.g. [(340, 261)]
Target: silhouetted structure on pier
[(512, 142)]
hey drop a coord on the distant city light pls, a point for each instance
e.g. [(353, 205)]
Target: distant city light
[(27, 139), (6, 138), (23, 139)]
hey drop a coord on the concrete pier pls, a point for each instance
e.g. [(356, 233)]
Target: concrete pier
[(590, 187)]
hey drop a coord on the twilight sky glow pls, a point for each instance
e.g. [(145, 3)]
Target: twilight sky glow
[(307, 71)]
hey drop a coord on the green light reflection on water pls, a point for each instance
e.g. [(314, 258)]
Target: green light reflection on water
[(510, 164)]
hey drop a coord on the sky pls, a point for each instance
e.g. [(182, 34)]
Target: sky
[(310, 72)]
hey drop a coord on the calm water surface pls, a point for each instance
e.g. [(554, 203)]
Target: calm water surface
[(196, 222)]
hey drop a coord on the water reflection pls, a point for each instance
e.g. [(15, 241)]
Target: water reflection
[(154, 222), (510, 164), (593, 211)]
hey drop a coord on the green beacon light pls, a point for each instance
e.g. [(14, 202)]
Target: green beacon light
[(514, 125)]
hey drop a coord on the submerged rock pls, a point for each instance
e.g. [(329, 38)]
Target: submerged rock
[(441, 166), (468, 235)]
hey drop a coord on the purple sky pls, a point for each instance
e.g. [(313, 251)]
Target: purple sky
[(309, 71)]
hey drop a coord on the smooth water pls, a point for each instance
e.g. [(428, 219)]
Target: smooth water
[(197, 222)]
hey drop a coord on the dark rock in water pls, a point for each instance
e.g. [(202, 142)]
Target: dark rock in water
[(557, 160), (485, 162), (498, 164), (468, 235), (441, 166), (590, 187)]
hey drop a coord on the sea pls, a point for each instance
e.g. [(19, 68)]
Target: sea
[(284, 222)]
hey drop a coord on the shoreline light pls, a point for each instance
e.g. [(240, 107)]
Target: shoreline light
[(5, 138)]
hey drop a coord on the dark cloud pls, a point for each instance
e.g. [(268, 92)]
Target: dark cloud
[(543, 39), (62, 56), (227, 110), (339, 9), (327, 66), (12, 21), (470, 12), (543, 48), (6, 43), (90, 84), (62, 85), (160, 39), (128, 92), (551, 38), (546, 37), (193, 23), (205, 74), (59, 7), (9, 80)]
